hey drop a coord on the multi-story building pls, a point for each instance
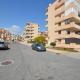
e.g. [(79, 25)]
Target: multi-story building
[(5, 35), (64, 23), (30, 31)]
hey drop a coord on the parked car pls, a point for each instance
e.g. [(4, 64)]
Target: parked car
[(38, 47), (3, 45)]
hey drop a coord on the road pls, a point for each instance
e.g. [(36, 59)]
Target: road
[(31, 65)]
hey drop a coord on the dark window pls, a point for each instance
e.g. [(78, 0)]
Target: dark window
[(79, 14), (72, 40), (68, 32), (31, 36), (59, 40), (76, 32), (27, 37), (59, 24), (67, 21), (59, 32)]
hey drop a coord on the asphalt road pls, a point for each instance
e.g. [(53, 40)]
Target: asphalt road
[(32, 65)]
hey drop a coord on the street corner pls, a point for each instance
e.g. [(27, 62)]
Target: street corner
[(6, 62)]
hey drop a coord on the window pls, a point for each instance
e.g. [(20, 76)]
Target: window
[(59, 40), (76, 32), (68, 32), (27, 37), (79, 14), (67, 21), (59, 32), (72, 40), (59, 24), (31, 36)]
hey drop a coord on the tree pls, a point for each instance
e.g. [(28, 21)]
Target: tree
[(40, 39)]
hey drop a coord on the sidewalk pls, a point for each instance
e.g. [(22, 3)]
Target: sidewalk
[(59, 51), (75, 55)]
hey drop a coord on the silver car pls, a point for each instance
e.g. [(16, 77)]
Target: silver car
[(3, 45)]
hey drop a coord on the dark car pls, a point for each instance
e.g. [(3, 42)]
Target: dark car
[(38, 47), (3, 45)]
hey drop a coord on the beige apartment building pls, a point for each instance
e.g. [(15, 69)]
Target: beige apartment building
[(64, 23), (5, 34), (30, 31)]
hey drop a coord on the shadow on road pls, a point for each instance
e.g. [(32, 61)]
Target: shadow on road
[(5, 49)]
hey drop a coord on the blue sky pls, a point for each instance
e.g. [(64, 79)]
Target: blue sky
[(15, 13)]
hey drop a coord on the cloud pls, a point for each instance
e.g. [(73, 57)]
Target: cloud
[(14, 29)]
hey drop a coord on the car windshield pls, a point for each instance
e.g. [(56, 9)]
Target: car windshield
[(40, 45)]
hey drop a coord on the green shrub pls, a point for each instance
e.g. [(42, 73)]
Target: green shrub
[(53, 44)]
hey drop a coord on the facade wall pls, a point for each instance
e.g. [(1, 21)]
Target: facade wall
[(64, 23), (51, 23)]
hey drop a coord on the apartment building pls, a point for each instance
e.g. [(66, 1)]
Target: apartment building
[(30, 31), (5, 35), (64, 23)]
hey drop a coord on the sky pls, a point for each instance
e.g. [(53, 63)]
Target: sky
[(14, 14)]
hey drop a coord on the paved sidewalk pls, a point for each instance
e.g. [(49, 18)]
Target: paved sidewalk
[(59, 51), (69, 54), (66, 53)]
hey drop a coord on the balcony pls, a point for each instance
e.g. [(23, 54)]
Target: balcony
[(60, 19), (71, 26), (46, 25), (63, 36), (46, 13), (73, 16), (46, 19), (60, 10), (59, 4)]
